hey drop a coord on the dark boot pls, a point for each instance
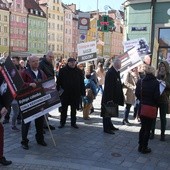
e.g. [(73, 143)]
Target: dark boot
[(139, 148), (5, 162), (146, 150), (162, 137), (25, 144), (152, 135)]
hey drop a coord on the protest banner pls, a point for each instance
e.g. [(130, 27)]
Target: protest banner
[(87, 51), (10, 82), (129, 60), (36, 102), (140, 44)]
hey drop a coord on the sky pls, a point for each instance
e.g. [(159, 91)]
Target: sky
[(90, 5)]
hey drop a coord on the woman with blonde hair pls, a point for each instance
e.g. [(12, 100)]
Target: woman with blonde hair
[(147, 92)]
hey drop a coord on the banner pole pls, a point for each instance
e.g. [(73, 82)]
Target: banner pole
[(52, 137)]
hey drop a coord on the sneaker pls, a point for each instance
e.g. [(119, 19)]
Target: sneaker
[(14, 128), (4, 162)]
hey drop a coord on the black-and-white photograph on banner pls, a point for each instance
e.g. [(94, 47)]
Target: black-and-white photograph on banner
[(140, 44), (87, 51), (13, 74), (129, 60), (36, 102), (10, 82)]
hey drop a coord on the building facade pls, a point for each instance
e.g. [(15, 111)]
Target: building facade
[(149, 19), (4, 28), (55, 27), (18, 28), (37, 29)]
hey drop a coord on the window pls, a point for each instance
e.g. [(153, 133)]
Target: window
[(164, 44), (18, 6), (5, 41), (5, 29), (5, 18)]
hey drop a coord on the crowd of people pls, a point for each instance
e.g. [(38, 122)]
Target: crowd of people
[(80, 85)]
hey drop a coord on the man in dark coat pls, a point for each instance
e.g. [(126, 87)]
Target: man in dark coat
[(71, 81), (46, 65), (112, 92)]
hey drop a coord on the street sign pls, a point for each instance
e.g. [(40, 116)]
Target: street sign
[(105, 24)]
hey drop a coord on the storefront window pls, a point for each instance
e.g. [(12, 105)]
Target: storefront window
[(164, 44)]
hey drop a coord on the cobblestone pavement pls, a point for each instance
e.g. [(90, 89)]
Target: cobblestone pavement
[(87, 147)]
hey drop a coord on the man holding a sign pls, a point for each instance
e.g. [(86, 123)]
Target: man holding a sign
[(32, 76)]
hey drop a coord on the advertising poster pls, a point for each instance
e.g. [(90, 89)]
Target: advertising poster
[(129, 60), (36, 102), (10, 82), (87, 51)]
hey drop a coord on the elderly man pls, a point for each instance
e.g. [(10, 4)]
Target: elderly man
[(46, 65), (32, 76), (112, 92), (71, 80)]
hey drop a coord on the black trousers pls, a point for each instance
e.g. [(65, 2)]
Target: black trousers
[(144, 132), (107, 124), (39, 122), (64, 113)]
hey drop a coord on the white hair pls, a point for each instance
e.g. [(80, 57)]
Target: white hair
[(32, 57)]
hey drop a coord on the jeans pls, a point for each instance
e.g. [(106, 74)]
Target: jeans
[(15, 112), (127, 110)]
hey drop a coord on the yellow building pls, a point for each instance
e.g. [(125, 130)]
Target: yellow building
[(4, 29), (93, 33), (55, 27)]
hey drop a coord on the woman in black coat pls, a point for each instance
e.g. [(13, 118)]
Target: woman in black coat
[(112, 92), (147, 91)]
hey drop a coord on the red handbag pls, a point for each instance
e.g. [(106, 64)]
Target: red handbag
[(148, 111)]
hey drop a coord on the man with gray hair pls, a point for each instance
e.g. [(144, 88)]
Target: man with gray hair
[(33, 76), (112, 92)]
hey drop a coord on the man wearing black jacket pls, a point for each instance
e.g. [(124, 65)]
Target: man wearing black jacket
[(46, 65), (112, 92), (71, 80)]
